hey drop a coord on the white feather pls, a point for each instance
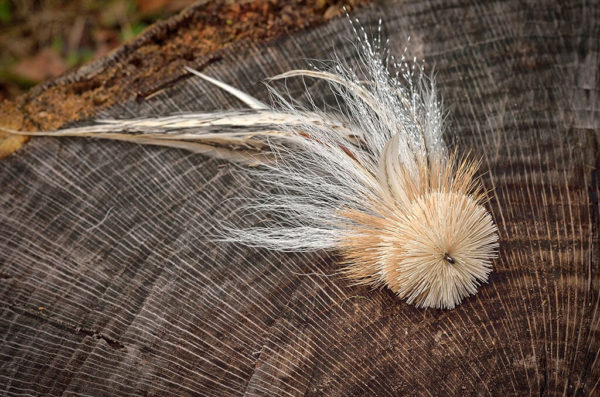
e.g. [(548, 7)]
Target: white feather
[(364, 171)]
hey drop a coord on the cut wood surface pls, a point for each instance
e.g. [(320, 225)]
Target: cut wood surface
[(110, 283)]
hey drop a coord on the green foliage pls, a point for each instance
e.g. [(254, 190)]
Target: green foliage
[(79, 57), (5, 12), (131, 30)]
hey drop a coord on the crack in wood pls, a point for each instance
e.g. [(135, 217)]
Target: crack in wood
[(64, 325)]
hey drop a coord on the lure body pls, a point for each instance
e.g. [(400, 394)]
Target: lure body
[(371, 179)]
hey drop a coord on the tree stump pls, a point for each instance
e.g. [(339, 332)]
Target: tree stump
[(111, 285)]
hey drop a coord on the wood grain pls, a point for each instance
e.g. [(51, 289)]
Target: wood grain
[(110, 282)]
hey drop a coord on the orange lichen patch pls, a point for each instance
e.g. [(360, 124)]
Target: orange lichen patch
[(156, 58), (11, 118), (10, 143)]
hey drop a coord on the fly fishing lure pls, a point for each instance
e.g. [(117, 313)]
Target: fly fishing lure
[(371, 178)]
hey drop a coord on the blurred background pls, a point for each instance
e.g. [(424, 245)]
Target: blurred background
[(41, 39)]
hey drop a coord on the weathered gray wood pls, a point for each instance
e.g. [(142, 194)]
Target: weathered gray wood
[(110, 283)]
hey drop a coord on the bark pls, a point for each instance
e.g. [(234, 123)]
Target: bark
[(110, 283)]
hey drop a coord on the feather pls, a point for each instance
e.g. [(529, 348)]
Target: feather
[(371, 179), (252, 102)]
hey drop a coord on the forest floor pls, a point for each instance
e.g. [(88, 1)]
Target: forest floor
[(42, 39)]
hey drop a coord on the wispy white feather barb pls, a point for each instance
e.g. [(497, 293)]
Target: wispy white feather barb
[(322, 160), (371, 177), (319, 175)]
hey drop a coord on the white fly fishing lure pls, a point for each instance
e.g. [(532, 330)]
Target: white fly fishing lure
[(371, 179)]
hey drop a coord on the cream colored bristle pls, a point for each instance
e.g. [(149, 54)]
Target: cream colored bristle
[(433, 244)]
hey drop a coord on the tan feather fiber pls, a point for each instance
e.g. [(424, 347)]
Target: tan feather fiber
[(430, 240)]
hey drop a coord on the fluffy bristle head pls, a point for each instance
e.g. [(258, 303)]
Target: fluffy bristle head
[(432, 245), (441, 251)]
